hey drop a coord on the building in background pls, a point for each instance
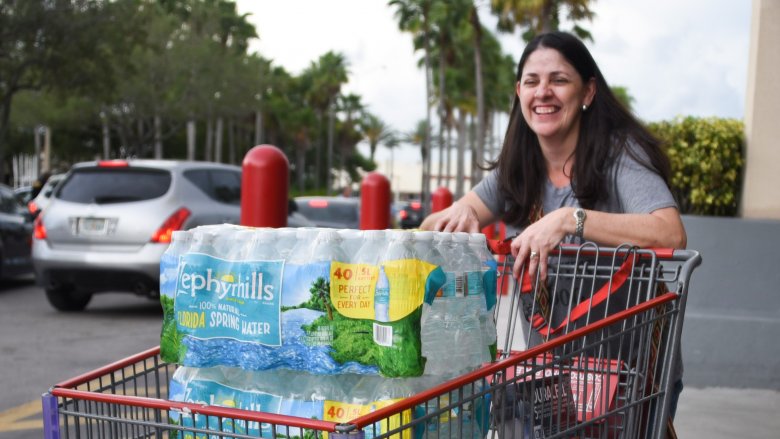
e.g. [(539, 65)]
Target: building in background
[(759, 193)]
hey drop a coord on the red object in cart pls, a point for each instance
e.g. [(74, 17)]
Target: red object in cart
[(606, 373)]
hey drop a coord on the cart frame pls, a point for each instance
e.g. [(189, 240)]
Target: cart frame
[(128, 398)]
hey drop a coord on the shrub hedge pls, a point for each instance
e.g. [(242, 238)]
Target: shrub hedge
[(707, 161)]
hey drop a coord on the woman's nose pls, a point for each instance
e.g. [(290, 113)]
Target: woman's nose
[(542, 90)]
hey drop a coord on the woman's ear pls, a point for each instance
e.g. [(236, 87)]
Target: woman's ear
[(590, 92)]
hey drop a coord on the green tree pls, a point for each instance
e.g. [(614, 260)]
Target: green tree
[(320, 297), (377, 132), (414, 17), (324, 80), (539, 16), (60, 46)]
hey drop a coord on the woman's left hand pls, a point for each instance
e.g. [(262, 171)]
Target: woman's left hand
[(538, 240)]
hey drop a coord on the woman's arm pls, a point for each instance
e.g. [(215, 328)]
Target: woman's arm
[(661, 228), (469, 214)]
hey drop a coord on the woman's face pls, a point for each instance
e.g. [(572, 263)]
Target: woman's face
[(552, 94)]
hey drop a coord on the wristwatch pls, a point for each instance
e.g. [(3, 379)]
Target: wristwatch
[(579, 218)]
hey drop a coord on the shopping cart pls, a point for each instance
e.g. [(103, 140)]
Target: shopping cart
[(596, 361)]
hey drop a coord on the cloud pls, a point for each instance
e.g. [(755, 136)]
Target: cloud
[(675, 57)]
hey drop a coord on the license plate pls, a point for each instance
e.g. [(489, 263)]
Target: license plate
[(93, 226)]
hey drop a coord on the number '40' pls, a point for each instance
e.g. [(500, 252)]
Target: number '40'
[(343, 274)]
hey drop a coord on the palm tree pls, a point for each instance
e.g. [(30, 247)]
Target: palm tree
[(376, 132), (414, 17), (325, 79), (539, 16), (350, 132)]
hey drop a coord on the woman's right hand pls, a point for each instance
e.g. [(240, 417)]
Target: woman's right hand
[(457, 218), (467, 215)]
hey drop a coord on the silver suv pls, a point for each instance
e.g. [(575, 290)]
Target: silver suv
[(109, 222)]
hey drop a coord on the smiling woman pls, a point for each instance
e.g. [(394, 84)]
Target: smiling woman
[(575, 166)]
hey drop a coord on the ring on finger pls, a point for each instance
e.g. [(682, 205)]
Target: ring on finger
[(534, 254)]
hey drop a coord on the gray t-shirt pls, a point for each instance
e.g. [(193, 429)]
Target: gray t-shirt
[(632, 188)]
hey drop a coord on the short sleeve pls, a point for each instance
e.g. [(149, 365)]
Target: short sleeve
[(488, 191), (640, 190)]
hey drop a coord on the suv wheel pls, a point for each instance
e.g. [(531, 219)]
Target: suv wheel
[(66, 298)]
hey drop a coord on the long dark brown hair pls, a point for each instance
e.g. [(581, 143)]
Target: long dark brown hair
[(606, 129)]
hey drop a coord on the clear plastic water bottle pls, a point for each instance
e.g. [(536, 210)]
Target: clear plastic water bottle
[(471, 266), (454, 284), (401, 246), (372, 249), (181, 240), (285, 241), (469, 331), (262, 246), (302, 250), (351, 241), (433, 336), (382, 297), (234, 245), (203, 241), (327, 247), (478, 243)]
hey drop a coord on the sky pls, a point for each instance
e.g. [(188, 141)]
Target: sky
[(674, 57)]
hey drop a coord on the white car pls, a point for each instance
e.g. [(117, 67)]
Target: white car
[(37, 204), (109, 222)]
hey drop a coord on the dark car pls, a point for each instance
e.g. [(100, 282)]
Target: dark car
[(410, 215), (333, 212), (15, 235)]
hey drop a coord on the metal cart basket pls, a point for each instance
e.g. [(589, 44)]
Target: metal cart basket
[(597, 360)]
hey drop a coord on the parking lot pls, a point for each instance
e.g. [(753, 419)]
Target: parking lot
[(41, 347)]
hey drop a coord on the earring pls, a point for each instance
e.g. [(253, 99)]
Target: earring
[(584, 107)]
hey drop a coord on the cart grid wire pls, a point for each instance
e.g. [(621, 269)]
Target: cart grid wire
[(597, 360)]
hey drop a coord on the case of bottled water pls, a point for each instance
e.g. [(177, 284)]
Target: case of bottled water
[(243, 300), (253, 313)]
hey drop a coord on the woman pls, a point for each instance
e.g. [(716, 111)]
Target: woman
[(575, 159), (575, 166)]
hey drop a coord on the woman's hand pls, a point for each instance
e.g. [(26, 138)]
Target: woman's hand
[(468, 214), (538, 240), (458, 218)]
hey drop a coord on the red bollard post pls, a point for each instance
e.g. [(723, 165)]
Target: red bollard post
[(441, 199), (375, 202), (264, 187)]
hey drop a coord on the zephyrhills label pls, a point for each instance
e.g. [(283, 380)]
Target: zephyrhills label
[(217, 298)]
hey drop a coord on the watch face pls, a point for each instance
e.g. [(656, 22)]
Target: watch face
[(580, 214)]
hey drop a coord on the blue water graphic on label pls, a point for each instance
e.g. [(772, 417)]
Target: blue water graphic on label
[(169, 269), (216, 298), (213, 393)]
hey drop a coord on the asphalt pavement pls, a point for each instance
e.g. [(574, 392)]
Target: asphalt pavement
[(721, 413)]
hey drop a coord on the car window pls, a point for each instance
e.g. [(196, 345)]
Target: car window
[(8, 202), (50, 184), (114, 185), (219, 184), (329, 211)]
